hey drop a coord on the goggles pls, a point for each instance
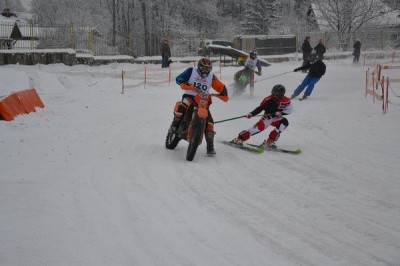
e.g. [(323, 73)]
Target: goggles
[(205, 69)]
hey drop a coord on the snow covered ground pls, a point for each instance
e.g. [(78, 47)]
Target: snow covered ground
[(88, 181)]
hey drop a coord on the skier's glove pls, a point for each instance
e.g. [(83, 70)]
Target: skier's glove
[(249, 115), (295, 70), (278, 115)]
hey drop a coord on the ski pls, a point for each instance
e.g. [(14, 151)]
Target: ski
[(245, 147), (275, 148)]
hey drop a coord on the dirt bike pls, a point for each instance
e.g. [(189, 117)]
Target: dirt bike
[(193, 125), (241, 78)]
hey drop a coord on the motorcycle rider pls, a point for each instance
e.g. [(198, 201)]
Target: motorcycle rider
[(275, 106), (251, 63), (193, 81)]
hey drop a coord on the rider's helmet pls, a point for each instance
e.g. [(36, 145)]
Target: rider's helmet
[(278, 91), (253, 54), (204, 66), (314, 58)]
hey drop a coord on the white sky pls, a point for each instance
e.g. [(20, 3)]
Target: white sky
[(88, 181)]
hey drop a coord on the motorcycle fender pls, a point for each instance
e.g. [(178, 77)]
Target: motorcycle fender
[(189, 136), (202, 113)]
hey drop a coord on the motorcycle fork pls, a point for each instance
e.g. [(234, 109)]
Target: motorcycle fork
[(195, 120)]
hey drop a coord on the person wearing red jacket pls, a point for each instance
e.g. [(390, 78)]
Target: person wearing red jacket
[(275, 106), (193, 81)]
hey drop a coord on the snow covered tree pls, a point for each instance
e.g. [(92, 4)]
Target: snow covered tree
[(260, 17), (348, 16)]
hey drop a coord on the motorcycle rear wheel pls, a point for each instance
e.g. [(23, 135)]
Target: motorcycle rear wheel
[(238, 89)]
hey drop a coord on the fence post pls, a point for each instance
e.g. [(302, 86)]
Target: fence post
[(130, 48), (387, 95), (90, 40), (72, 36), (145, 77), (32, 39), (123, 82), (366, 83), (169, 75)]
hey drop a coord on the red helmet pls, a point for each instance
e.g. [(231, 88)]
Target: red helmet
[(204, 66)]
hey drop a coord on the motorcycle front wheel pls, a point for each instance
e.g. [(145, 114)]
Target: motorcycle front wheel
[(198, 131), (172, 140)]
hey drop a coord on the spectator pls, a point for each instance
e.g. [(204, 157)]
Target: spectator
[(357, 51), (320, 49), (306, 49), (165, 51)]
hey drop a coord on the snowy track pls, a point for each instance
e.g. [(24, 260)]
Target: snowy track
[(87, 180)]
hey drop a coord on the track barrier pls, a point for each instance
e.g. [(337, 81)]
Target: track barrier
[(154, 75), (17, 103)]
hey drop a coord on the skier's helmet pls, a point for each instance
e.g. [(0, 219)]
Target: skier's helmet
[(278, 91), (204, 66), (253, 54)]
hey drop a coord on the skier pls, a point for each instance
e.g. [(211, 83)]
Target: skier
[(317, 70), (193, 81), (251, 64), (275, 106)]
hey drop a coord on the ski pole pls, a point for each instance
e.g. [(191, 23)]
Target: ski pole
[(274, 76), (233, 118)]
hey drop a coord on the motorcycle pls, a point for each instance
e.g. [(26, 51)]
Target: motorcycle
[(241, 78), (193, 125)]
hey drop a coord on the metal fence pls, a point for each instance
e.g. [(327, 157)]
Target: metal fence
[(23, 35)]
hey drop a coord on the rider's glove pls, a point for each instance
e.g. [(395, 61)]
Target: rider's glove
[(278, 114), (249, 115), (295, 70)]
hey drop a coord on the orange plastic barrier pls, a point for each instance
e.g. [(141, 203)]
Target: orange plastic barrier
[(37, 102), (22, 102), (24, 97), (9, 108)]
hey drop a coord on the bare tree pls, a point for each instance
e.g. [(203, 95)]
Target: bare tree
[(349, 16)]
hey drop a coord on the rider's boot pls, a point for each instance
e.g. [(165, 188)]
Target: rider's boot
[(251, 91), (210, 142)]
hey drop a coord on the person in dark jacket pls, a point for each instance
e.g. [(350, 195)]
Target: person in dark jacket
[(317, 70), (320, 49), (165, 51), (357, 51), (306, 49)]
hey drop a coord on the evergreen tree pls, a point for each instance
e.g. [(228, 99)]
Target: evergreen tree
[(260, 17)]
